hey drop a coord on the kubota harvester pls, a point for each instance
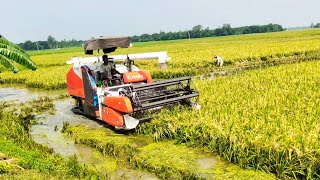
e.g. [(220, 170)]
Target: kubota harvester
[(121, 98)]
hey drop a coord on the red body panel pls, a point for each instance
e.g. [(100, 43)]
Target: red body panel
[(118, 103), (148, 75), (112, 117), (136, 76), (74, 84)]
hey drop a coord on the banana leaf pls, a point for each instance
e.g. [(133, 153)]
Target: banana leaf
[(18, 57), (18, 48), (6, 62)]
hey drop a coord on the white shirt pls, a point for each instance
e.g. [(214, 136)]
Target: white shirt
[(219, 61)]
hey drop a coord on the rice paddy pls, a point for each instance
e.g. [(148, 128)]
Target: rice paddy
[(261, 119), (194, 57), (266, 119)]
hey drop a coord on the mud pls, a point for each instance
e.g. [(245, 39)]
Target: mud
[(207, 162), (16, 94), (132, 174), (48, 128), (109, 166), (47, 131)]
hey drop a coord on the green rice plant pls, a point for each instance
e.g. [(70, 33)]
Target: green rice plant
[(65, 126), (165, 159), (117, 146), (263, 119), (29, 174), (4, 167)]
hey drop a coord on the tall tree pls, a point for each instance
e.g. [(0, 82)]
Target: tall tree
[(312, 25), (52, 42), (9, 53), (196, 31)]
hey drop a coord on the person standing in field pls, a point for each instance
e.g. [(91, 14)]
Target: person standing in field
[(219, 60)]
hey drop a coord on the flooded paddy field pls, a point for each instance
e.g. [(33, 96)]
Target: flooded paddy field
[(116, 155)]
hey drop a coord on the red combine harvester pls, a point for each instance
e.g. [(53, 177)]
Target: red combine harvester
[(122, 97)]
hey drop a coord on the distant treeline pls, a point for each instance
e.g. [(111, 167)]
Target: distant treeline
[(51, 43), (200, 32), (315, 25), (196, 32)]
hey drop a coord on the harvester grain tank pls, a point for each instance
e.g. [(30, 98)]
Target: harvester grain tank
[(130, 92)]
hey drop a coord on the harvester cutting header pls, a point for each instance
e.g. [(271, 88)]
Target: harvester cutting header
[(119, 93)]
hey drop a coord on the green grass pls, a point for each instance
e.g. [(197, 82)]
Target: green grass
[(30, 159), (118, 146), (55, 51), (165, 159), (29, 174)]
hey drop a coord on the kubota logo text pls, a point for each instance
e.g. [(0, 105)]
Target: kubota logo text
[(137, 76)]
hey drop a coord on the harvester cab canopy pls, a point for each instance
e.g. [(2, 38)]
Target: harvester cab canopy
[(107, 43)]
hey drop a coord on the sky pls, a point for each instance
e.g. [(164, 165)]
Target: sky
[(35, 20)]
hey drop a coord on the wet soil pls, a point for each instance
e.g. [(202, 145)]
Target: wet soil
[(17, 94), (48, 128)]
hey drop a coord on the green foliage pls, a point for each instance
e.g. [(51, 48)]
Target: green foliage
[(8, 63), (4, 43), (51, 43), (317, 25), (117, 146), (10, 53), (65, 126), (196, 32), (4, 167), (165, 159), (35, 159), (168, 160), (18, 57), (199, 32), (29, 174)]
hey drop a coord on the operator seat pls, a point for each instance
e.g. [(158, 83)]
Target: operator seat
[(108, 74)]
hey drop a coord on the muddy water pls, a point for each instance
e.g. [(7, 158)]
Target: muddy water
[(16, 94), (109, 166), (207, 162), (47, 131), (210, 76), (48, 128)]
